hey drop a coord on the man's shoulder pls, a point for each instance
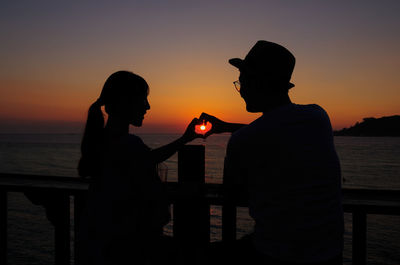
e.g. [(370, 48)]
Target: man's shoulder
[(272, 122), (247, 134), (238, 136), (246, 131), (317, 112), (305, 112), (314, 108)]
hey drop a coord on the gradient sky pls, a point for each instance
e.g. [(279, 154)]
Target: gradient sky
[(56, 55)]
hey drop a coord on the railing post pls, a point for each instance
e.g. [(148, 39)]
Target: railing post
[(62, 231), (3, 227), (79, 207), (359, 237), (191, 211)]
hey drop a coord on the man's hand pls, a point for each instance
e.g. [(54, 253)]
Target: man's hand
[(219, 126)]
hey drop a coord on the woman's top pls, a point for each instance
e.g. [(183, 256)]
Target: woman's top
[(127, 205)]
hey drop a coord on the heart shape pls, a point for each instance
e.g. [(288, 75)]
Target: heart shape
[(203, 128)]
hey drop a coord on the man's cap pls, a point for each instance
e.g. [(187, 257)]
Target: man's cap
[(269, 60)]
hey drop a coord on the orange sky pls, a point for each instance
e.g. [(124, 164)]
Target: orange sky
[(55, 59)]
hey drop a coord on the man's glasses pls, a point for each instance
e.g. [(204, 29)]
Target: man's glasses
[(237, 85)]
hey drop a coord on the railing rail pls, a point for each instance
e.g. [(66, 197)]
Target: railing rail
[(40, 188)]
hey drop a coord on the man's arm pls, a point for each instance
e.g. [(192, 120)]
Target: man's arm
[(219, 126)]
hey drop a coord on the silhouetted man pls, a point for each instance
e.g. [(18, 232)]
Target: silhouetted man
[(285, 164)]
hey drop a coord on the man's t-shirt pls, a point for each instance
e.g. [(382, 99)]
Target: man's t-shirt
[(286, 164)]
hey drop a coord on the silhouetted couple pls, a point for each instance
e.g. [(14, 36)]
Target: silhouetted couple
[(283, 164)]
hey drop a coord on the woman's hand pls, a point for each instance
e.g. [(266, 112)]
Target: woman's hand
[(162, 153), (190, 133)]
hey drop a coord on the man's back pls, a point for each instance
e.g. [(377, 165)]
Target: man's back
[(288, 163)]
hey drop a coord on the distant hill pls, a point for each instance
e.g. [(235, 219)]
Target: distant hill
[(385, 126)]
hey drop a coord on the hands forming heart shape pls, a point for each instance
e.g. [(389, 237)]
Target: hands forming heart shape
[(203, 128)]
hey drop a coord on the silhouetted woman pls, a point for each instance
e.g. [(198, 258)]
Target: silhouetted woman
[(127, 206)]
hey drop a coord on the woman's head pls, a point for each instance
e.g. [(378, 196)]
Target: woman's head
[(124, 96)]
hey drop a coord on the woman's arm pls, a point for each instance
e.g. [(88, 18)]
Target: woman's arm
[(162, 153)]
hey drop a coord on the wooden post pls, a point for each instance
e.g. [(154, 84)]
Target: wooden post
[(62, 231), (79, 206), (3, 227), (191, 211), (359, 237)]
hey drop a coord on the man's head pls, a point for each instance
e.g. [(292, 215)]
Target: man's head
[(265, 75)]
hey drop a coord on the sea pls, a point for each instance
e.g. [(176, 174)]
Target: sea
[(367, 162)]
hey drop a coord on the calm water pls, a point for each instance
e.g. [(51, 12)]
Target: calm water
[(366, 163)]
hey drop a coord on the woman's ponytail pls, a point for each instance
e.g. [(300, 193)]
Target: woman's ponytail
[(92, 142)]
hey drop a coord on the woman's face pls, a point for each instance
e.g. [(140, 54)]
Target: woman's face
[(130, 109), (137, 109)]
